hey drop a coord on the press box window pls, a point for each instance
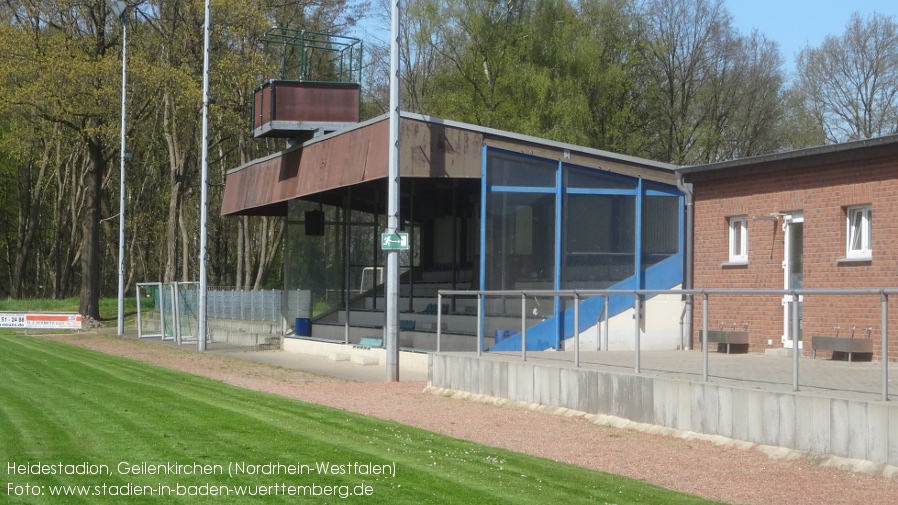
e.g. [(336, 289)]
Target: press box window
[(859, 226), (738, 239)]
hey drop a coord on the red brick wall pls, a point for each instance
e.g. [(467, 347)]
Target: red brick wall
[(822, 193)]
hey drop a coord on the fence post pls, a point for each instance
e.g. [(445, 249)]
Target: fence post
[(576, 330), (439, 318), (480, 336), (607, 318), (885, 346), (523, 326), (796, 342), (704, 339), (637, 314)]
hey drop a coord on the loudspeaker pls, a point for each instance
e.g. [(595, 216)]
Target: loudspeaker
[(315, 223)]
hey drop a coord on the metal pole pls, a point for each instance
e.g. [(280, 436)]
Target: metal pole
[(523, 327), (347, 293), (204, 188), (480, 336), (577, 330), (439, 319), (796, 342), (637, 313), (392, 294), (704, 339), (607, 317), (885, 346), (121, 207)]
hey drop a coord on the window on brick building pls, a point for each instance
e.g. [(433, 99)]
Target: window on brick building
[(738, 239), (859, 226)]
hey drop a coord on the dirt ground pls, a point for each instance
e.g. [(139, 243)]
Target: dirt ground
[(724, 472)]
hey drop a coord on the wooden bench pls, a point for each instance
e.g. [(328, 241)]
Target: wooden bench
[(847, 345), (727, 338)]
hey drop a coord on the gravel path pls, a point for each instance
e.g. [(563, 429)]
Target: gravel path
[(726, 473)]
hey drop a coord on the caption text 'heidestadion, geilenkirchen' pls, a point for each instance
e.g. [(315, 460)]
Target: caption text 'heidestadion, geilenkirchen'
[(186, 474)]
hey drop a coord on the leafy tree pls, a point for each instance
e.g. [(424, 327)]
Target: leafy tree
[(849, 84), (715, 94), (58, 63)]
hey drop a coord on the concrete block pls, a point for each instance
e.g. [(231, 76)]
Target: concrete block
[(740, 414), (820, 425), (725, 414), (604, 393), (857, 430), (589, 387), (487, 378), (632, 398), (710, 412), (547, 385), (893, 436), (466, 381), (770, 432), (839, 422), (647, 385), (365, 360), (755, 416), (665, 403), (500, 374), (520, 382), (787, 420), (877, 432), (338, 356), (697, 412), (441, 370), (684, 406), (622, 396), (569, 385), (806, 423)]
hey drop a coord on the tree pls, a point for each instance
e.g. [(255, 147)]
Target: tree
[(58, 63), (849, 84), (59, 139), (714, 94)]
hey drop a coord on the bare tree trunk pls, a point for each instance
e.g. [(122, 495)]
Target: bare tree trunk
[(263, 245), (29, 221), (176, 161), (241, 229), (185, 247), (248, 265), (274, 234), (90, 241)]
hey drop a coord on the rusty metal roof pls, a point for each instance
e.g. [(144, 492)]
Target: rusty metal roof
[(429, 148)]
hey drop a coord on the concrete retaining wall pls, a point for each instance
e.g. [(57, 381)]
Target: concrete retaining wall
[(864, 430), (261, 335)]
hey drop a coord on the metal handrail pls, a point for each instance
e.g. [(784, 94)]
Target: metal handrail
[(638, 294)]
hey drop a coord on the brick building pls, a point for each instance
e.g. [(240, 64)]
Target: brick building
[(820, 218)]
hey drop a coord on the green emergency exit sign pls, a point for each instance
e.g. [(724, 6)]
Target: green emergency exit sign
[(394, 241)]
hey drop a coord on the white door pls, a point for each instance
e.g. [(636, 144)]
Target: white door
[(793, 269)]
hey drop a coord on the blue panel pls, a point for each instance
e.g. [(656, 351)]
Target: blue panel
[(663, 275)]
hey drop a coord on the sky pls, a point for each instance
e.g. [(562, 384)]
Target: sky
[(794, 24)]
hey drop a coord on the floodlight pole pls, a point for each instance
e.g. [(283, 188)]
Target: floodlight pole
[(391, 326), (120, 9), (204, 189)]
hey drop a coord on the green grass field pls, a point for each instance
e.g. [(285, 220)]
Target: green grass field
[(79, 422)]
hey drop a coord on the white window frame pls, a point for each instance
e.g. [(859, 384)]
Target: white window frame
[(738, 226), (858, 244)]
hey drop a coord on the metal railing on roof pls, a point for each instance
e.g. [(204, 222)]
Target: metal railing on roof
[(311, 56)]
